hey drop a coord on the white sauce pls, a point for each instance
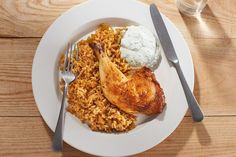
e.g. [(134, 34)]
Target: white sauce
[(139, 47)]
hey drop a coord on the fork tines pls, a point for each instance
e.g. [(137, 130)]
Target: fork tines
[(71, 48)]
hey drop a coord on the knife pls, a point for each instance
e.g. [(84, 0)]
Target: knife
[(170, 53)]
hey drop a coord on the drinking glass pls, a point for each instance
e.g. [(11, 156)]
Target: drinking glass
[(191, 7)]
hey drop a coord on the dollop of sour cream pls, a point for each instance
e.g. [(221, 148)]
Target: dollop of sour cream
[(139, 47)]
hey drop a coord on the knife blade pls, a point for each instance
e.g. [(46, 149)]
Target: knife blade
[(170, 54), (163, 34)]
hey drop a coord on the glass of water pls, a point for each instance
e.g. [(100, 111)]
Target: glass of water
[(191, 7)]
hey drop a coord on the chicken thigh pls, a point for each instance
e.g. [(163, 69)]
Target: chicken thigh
[(139, 92)]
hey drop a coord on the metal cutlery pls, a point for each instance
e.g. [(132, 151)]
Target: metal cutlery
[(170, 53), (68, 77)]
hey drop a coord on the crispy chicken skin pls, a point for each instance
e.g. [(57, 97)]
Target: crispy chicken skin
[(139, 92)]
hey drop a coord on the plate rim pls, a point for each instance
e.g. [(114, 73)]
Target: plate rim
[(33, 67)]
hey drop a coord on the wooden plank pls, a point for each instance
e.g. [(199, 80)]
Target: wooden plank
[(214, 61), (24, 136), (27, 136), (32, 18), (16, 97), (212, 46), (26, 18), (233, 12), (215, 20)]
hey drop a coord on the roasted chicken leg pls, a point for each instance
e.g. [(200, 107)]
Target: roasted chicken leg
[(137, 93)]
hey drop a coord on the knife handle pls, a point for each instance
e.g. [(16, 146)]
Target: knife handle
[(194, 107)]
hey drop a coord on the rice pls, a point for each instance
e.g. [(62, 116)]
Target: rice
[(85, 97)]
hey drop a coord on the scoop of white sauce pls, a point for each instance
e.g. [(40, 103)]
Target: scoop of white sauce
[(139, 47)]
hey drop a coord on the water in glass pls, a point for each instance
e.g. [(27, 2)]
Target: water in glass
[(191, 7)]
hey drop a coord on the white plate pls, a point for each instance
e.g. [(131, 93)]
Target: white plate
[(79, 21)]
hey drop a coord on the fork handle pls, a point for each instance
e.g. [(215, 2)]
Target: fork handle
[(57, 141), (194, 107)]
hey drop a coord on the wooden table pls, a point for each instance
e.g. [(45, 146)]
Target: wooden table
[(212, 41)]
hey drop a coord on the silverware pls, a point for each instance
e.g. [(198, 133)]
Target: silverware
[(170, 53), (68, 77), (76, 49)]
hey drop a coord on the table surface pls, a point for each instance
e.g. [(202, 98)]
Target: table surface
[(212, 41)]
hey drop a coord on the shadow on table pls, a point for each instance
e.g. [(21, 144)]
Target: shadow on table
[(204, 137), (178, 139), (68, 151), (175, 143), (207, 26), (169, 147), (188, 130)]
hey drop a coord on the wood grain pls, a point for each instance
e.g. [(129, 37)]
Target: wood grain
[(16, 57), (217, 19), (28, 18), (212, 42), (214, 61), (21, 137)]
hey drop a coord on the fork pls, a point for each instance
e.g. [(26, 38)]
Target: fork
[(68, 77)]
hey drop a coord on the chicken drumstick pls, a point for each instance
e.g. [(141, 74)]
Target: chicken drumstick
[(137, 93)]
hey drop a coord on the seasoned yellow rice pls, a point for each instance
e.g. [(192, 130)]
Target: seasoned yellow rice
[(85, 97)]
